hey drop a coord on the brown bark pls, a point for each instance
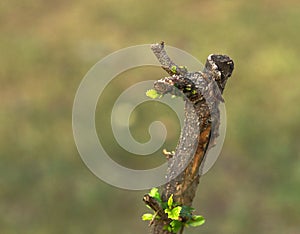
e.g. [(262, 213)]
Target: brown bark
[(202, 94)]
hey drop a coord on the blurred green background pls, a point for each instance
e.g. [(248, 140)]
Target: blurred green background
[(48, 46)]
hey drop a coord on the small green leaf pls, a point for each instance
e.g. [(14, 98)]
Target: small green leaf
[(147, 216), (174, 69), (155, 194), (176, 225), (170, 201), (173, 213), (151, 93), (197, 220), (194, 91), (166, 227)]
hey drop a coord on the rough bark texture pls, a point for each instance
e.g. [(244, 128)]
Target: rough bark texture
[(202, 94)]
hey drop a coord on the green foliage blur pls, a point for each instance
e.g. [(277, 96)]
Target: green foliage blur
[(48, 46)]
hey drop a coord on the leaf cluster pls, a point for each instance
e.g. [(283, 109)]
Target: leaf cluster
[(180, 216)]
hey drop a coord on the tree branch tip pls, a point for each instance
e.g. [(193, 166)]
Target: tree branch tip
[(158, 46)]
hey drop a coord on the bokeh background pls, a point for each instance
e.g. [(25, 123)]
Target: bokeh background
[(48, 46)]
